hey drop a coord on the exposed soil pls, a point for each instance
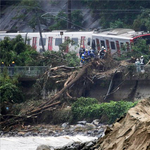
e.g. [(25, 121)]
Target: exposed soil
[(129, 133)]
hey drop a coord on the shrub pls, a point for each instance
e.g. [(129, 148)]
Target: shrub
[(79, 108), (9, 89), (89, 109), (10, 93)]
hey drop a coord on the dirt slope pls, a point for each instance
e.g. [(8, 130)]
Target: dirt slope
[(131, 132)]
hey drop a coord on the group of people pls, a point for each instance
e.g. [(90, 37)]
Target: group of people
[(87, 54), (12, 65), (140, 62)]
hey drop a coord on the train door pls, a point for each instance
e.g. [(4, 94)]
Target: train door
[(128, 48), (98, 44), (107, 45), (50, 44), (34, 42), (67, 47), (118, 48), (83, 41)]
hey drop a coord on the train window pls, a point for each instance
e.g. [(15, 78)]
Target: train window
[(112, 45), (102, 43), (44, 41), (121, 45), (75, 41), (88, 43), (58, 41)]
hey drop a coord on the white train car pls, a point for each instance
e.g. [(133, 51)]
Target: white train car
[(115, 40), (52, 40), (11, 35)]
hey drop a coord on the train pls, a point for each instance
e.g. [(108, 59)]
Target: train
[(113, 40)]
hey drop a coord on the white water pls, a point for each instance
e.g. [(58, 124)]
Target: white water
[(31, 143)]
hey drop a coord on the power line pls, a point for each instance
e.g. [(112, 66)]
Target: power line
[(88, 0), (136, 10)]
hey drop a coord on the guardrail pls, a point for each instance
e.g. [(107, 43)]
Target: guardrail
[(35, 71), (24, 71)]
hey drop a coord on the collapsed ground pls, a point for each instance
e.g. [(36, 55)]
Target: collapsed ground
[(62, 85)]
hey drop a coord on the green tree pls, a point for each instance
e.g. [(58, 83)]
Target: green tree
[(110, 11), (142, 22), (16, 50), (59, 58), (60, 22), (140, 48), (117, 24), (77, 19), (9, 91)]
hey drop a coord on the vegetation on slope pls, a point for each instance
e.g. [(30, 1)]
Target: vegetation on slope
[(112, 14), (121, 14), (89, 109)]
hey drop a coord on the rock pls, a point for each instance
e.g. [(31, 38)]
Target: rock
[(44, 147), (79, 127), (73, 146), (21, 133), (65, 125), (82, 122), (90, 126), (88, 145), (96, 122)]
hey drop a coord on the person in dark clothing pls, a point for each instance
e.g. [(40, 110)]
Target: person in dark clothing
[(102, 52), (86, 56), (2, 66), (82, 60), (81, 51), (92, 54), (12, 67)]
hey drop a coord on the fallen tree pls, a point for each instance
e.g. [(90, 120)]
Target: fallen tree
[(97, 67)]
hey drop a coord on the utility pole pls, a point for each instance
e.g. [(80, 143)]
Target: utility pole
[(69, 15), (40, 31)]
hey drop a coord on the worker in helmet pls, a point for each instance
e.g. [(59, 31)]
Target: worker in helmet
[(138, 65), (2, 66), (86, 55), (102, 52), (82, 60), (81, 51), (12, 67), (142, 62)]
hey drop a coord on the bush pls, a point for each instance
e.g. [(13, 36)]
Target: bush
[(9, 89), (79, 108), (89, 109), (10, 93)]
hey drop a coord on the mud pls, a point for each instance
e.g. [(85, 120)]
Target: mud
[(130, 132)]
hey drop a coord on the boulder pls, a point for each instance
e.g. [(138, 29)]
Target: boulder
[(44, 147)]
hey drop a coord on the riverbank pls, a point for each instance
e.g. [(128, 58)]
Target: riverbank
[(95, 128), (56, 136)]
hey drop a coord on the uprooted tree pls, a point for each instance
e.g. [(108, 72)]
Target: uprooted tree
[(71, 78)]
